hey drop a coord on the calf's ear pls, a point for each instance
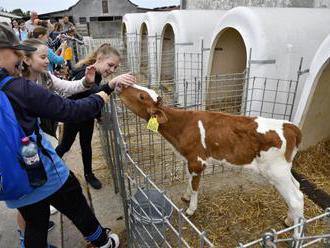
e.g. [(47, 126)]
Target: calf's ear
[(160, 115)]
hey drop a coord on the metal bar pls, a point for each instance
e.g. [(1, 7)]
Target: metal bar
[(276, 92), (184, 44), (287, 99), (263, 62), (247, 82)]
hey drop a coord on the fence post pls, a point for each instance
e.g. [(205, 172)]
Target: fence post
[(156, 57), (108, 152), (247, 81), (299, 73), (120, 163)]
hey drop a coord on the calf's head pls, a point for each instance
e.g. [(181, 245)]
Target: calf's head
[(143, 102)]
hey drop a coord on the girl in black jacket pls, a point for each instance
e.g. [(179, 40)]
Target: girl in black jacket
[(105, 60)]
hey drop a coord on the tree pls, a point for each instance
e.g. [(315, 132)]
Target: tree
[(18, 12)]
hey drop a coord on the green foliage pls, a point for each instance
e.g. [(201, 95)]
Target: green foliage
[(18, 12)]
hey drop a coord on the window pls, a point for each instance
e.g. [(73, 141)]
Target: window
[(105, 7), (82, 20), (105, 18)]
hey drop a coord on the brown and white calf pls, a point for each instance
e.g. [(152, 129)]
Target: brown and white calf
[(267, 146)]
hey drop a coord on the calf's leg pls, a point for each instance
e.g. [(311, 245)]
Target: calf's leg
[(187, 194), (280, 176), (194, 194)]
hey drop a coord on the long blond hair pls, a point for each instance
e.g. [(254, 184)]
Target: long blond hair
[(105, 49), (32, 43)]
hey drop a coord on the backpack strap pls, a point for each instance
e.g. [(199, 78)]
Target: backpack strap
[(39, 142), (4, 81)]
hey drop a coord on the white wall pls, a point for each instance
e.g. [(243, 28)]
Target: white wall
[(313, 109), (281, 34)]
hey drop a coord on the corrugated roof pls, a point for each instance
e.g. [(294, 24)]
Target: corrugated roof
[(5, 14), (166, 8), (57, 12)]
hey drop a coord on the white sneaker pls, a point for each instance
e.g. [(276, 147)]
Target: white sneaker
[(113, 241), (52, 210)]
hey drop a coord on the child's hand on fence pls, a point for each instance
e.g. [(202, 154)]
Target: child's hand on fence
[(89, 76), (126, 80), (105, 96)]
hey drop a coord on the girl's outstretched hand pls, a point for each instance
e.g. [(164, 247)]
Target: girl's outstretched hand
[(90, 75), (125, 80)]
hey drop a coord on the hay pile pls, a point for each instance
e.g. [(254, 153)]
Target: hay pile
[(243, 214), (314, 164)]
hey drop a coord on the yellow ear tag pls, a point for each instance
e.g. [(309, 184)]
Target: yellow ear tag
[(153, 124)]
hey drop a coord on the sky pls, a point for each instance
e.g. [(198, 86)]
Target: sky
[(44, 6)]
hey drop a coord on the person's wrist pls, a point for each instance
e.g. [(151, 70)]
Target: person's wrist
[(107, 89), (86, 84), (112, 85)]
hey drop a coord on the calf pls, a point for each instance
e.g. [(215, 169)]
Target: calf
[(266, 146)]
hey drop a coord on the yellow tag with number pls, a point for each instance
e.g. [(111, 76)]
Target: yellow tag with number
[(153, 124)]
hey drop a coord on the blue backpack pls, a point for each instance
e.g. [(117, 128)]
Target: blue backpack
[(14, 182)]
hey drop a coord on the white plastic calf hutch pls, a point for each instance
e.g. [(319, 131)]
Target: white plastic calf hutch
[(313, 114), (184, 35), (150, 30), (130, 30), (279, 38)]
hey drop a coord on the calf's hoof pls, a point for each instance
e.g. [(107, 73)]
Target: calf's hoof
[(288, 222), (190, 212), (184, 199)]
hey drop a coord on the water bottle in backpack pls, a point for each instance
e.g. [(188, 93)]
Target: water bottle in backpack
[(34, 167)]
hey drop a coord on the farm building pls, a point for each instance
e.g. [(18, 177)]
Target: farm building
[(243, 29), (98, 18), (149, 33), (184, 41), (131, 41)]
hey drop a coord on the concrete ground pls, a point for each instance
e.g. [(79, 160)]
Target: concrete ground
[(105, 203)]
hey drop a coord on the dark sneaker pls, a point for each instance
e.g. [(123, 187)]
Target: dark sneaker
[(51, 225), (93, 181)]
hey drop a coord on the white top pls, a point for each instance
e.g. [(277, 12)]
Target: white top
[(67, 88), (29, 26)]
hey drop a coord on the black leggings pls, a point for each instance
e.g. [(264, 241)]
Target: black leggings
[(70, 201), (85, 130)]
